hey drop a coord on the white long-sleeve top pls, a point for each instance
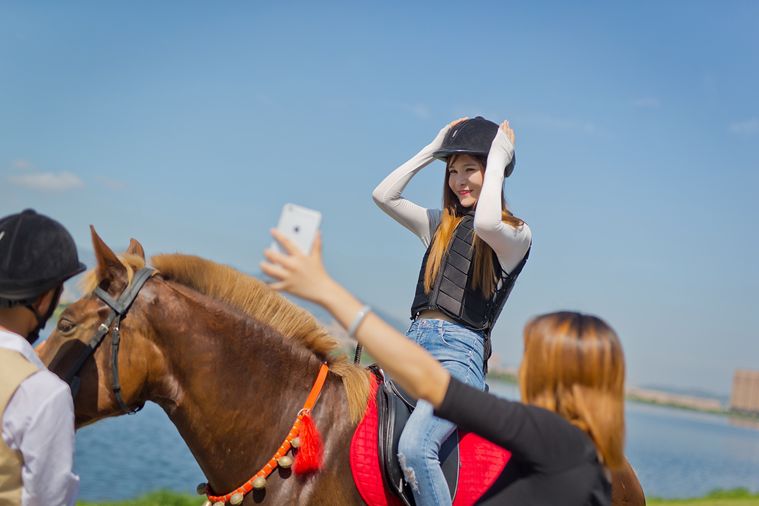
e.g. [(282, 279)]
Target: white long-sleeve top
[(39, 422), (509, 243)]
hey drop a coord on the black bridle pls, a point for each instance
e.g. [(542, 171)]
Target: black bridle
[(118, 310)]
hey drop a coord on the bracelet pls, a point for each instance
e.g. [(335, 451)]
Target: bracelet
[(358, 319)]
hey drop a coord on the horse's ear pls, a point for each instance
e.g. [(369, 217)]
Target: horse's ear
[(111, 273), (135, 248)]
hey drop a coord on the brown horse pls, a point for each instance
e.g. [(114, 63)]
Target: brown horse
[(230, 361)]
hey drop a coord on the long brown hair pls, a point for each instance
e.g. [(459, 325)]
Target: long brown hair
[(484, 275), (573, 365)]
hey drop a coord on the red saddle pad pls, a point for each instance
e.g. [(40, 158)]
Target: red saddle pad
[(481, 462)]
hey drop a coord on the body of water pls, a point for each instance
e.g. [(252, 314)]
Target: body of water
[(675, 453)]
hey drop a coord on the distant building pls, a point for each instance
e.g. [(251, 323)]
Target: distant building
[(745, 396)]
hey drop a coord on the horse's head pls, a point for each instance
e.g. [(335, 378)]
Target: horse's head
[(91, 323)]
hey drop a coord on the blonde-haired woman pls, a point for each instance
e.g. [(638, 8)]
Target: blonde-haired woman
[(573, 365), (567, 437), (475, 250)]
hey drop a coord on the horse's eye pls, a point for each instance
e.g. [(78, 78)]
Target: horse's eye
[(65, 326)]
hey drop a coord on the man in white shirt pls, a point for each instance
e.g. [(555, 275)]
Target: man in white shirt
[(37, 254)]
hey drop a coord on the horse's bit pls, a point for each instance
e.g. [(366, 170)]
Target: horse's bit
[(118, 310)]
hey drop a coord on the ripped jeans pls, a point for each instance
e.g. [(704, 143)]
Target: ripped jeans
[(461, 352)]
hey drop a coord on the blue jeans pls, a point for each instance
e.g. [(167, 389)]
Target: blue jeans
[(461, 352)]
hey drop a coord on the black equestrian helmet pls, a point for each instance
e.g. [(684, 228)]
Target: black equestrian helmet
[(36, 254), (471, 137)]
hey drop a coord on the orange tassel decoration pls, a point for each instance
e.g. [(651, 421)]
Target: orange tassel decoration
[(311, 450)]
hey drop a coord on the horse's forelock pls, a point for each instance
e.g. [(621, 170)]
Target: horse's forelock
[(132, 263)]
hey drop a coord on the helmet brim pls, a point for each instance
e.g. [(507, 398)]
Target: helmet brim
[(444, 154)]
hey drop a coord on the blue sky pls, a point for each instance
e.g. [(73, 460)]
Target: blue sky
[(188, 125)]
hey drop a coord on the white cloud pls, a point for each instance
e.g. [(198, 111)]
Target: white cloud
[(557, 123), (746, 127), (47, 181), (646, 103), (20, 163), (421, 111), (418, 110), (112, 184)]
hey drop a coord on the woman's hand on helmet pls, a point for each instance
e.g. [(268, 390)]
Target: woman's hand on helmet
[(504, 140), (297, 273), (506, 129), (502, 149), (456, 122), (438, 140)]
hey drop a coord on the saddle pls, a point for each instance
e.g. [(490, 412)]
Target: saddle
[(394, 407), (470, 463)]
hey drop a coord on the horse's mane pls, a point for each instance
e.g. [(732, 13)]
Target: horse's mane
[(256, 299)]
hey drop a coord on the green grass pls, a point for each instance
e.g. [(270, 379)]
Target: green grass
[(161, 498), (733, 497)]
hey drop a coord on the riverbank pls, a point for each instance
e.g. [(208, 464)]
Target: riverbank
[(736, 497), (160, 498), (656, 398)]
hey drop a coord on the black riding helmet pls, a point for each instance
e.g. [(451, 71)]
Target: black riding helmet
[(471, 137), (37, 254)]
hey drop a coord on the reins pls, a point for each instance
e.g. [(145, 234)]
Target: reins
[(118, 310), (301, 436)]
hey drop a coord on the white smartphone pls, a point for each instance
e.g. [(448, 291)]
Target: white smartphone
[(299, 224)]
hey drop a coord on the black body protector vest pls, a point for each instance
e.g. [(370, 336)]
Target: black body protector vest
[(452, 292)]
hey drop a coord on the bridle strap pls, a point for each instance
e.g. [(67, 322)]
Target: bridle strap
[(115, 384), (118, 310), (122, 304), (72, 376)]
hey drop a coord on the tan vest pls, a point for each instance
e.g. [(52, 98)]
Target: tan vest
[(14, 369)]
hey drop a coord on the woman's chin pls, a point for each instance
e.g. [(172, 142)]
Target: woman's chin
[(467, 202)]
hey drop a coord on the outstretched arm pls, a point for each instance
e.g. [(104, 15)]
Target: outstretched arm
[(509, 424), (388, 194), (538, 436), (408, 363)]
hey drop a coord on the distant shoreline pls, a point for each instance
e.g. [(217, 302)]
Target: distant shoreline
[(653, 397)]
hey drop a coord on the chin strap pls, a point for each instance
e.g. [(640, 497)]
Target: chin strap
[(42, 319)]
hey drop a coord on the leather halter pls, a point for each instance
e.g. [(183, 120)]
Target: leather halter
[(118, 310)]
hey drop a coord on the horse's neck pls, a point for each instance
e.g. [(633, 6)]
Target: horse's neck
[(234, 387)]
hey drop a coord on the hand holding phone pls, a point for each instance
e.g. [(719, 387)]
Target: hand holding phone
[(299, 225)]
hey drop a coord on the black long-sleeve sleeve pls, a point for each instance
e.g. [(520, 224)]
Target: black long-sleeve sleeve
[(551, 458)]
